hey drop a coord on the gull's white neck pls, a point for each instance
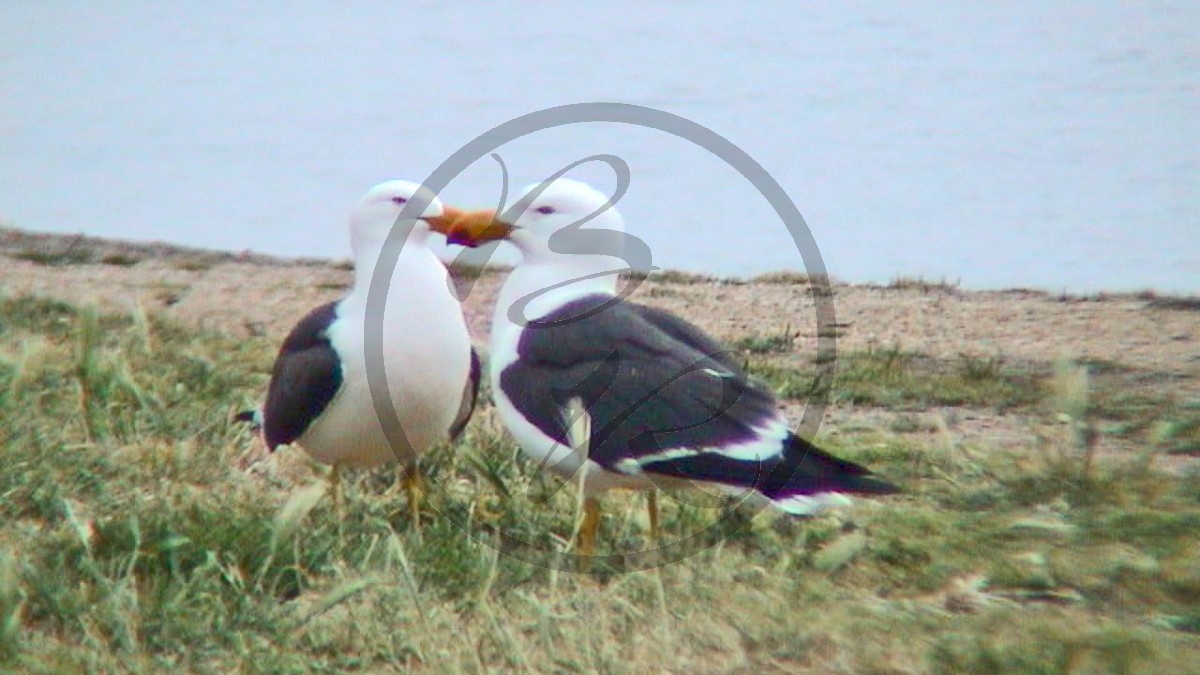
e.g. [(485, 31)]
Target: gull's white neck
[(542, 283), (417, 269), (548, 281)]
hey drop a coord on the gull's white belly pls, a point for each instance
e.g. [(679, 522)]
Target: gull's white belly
[(426, 359)]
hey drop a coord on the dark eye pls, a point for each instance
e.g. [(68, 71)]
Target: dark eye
[(545, 210), (400, 200)]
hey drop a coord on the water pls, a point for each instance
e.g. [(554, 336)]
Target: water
[(1024, 145)]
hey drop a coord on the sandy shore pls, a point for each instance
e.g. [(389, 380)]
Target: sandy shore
[(254, 294)]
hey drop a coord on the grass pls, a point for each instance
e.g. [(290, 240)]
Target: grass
[(119, 259), (908, 283), (465, 269), (904, 380), (1122, 403), (138, 533), (194, 263), (784, 278), (78, 251), (680, 277), (777, 343), (1190, 303), (71, 255)]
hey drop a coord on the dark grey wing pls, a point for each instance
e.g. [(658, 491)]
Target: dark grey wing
[(664, 399), (470, 397), (306, 376), (690, 335), (647, 391)]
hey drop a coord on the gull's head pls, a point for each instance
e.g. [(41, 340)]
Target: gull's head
[(559, 216), (546, 210), (381, 208)]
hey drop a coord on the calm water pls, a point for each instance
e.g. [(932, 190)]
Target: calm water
[(1028, 145)]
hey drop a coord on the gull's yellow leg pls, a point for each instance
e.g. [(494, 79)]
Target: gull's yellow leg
[(579, 436), (414, 485), (652, 511), (335, 489), (589, 527)]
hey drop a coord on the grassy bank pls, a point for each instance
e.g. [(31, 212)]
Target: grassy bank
[(140, 530)]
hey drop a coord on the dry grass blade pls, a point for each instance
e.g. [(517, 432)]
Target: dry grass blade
[(299, 504), (337, 596), (396, 549), (12, 601)]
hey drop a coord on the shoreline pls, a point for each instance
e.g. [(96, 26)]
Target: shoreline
[(1136, 341), (256, 294), (56, 249)]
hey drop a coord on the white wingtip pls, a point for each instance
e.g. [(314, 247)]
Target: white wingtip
[(252, 417), (811, 505)]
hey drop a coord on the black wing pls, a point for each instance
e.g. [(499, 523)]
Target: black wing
[(667, 399), (470, 397), (650, 382), (306, 376), (690, 335)]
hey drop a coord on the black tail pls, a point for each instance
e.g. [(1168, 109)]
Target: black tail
[(807, 479), (802, 480), (251, 417)]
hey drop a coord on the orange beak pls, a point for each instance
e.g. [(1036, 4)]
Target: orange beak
[(470, 228), (444, 222)]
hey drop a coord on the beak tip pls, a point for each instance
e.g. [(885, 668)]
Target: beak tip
[(472, 229)]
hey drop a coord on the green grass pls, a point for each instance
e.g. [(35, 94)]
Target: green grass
[(467, 269), (1122, 402), (78, 251), (777, 343), (71, 255), (133, 538), (673, 276), (120, 259), (898, 379), (907, 283), (195, 262), (1187, 303), (783, 278)]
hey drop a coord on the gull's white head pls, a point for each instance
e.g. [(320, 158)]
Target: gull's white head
[(563, 217), (571, 238), (380, 208), (553, 216)]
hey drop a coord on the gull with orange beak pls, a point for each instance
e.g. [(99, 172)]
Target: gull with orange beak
[(319, 397), (618, 395)]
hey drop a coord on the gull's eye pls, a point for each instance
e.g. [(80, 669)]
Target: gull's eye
[(545, 210), (400, 200)]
